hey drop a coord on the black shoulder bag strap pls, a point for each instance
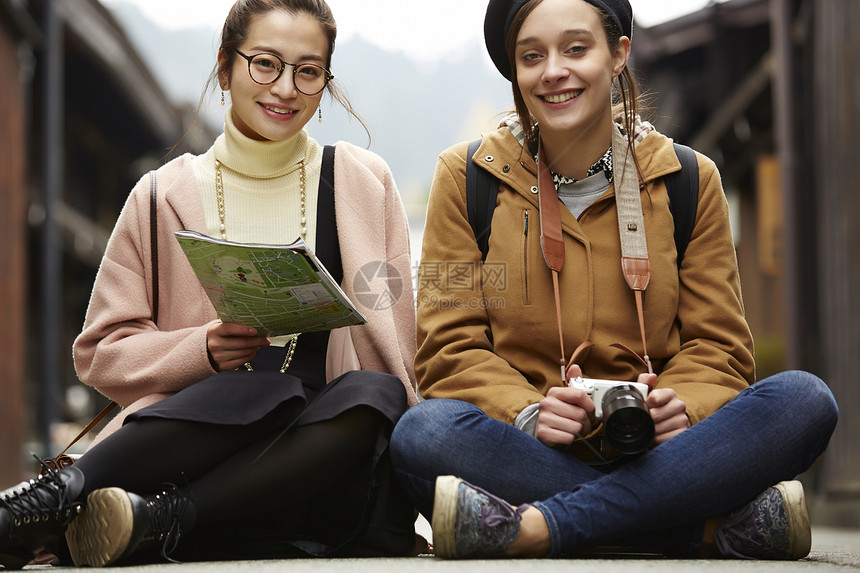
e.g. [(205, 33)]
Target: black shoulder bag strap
[(328, 248), (325, 202), (327, 172), (153, 240), (683, 190), (481, 192)]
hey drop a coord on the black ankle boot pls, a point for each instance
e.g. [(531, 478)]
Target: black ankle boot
[(117, 524), (32, 513)]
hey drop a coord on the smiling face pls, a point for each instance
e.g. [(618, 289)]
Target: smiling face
[(277, 111), (564, 72)]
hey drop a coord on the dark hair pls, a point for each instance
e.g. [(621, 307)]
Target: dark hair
[(235, 32), (625, 99)]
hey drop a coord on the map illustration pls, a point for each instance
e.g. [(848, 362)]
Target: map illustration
[(277, 289)]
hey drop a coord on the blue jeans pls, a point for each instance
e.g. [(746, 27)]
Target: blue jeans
[(771, 432)]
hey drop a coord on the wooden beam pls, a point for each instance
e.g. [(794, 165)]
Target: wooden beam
[(13, 241)]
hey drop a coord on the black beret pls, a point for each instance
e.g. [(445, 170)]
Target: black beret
[(501, 13)]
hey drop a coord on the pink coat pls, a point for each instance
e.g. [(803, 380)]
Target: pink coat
[(136, 361)]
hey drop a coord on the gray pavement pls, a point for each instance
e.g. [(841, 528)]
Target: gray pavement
[(833, 549)]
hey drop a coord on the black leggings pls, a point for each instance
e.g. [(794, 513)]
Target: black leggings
[(233, 472)]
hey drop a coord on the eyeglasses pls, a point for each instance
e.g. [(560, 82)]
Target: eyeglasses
[(265, 69)]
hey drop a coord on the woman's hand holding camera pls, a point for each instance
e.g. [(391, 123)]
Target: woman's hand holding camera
[(668, 412), (565, 414), (231, 345)]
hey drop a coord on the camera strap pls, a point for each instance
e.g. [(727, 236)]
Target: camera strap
[(631, 225), (551, 239)]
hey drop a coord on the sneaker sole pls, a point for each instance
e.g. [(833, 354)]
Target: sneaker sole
[(101, 533), (445, 516), (798, 518)]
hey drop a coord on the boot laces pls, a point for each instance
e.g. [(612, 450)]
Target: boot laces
[(165, 512), (43, 499)]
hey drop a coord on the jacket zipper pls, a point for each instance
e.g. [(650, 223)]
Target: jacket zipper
[(526, 256)]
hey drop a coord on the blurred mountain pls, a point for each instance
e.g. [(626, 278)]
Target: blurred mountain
[(182, 60), (413, 110)]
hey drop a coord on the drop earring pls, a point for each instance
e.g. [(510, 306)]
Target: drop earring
[(320, 114), (222, 97)]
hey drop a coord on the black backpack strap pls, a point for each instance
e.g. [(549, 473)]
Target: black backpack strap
[(683, 189), (482, 189), (481, 192)]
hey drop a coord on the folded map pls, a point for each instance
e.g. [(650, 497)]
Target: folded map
[(277, 289)]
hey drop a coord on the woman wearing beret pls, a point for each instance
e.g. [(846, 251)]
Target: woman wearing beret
[(513, 457)]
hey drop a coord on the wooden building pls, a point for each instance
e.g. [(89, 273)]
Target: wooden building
[(17, 31), (769, 90), (81, 119)]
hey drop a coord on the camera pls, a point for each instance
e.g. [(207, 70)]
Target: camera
[(627, 423)]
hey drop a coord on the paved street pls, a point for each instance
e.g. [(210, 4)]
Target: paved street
[(832, 550)]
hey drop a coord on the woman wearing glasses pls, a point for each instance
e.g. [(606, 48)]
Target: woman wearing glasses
[(257, 467)]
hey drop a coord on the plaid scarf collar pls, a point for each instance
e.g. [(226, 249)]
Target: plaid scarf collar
[(604, 164)]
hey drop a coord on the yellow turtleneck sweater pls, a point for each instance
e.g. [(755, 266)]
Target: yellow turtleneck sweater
[(262, 199)]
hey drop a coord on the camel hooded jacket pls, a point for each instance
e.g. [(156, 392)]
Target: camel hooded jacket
[(137, 359), (487, 334)]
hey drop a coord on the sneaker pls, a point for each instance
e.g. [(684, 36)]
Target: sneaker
[(469, 522), (32, 513), (117, 524), (775, 525)]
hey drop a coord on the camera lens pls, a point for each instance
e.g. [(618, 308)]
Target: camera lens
[(627, 423)]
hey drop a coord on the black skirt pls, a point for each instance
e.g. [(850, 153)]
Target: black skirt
[(369, 516), (240, 397)]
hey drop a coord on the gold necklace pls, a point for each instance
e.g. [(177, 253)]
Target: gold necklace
[(222, 216)]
